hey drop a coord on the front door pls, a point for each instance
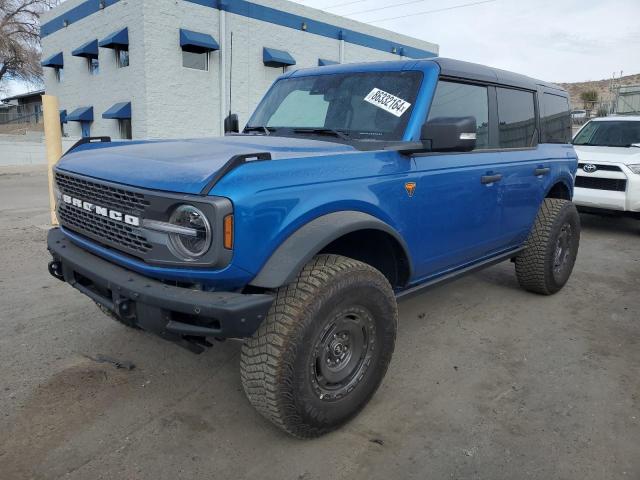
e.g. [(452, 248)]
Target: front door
[(458, 194)]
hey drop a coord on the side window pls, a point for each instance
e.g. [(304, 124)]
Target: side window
[(122, 58), (556, 119), (290, 113), (453, 99), (124, 125), (198, 61), (517, 118), (93, 65)]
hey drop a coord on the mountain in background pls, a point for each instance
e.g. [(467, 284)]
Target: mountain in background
[(601, 86)]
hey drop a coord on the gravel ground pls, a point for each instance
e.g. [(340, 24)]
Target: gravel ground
[(487, 381)]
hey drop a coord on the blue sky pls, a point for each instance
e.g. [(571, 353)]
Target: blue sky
[(554, 40)]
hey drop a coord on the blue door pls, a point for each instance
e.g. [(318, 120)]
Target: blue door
[(460, 210), (525, 165), (459, 194)]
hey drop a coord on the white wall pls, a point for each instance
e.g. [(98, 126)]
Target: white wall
[(182, 102), (169, 100), (18, 150), (112, 85)]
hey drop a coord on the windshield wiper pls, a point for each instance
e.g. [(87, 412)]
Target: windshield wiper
[(323, 131), (259, 128)]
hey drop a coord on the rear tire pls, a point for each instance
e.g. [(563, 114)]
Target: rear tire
[(323, 349), (547, 261)]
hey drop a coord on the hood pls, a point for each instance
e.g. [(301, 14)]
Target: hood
[(183, 166), (624, 155)]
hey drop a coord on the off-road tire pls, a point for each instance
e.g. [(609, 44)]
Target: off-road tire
[(113, 315), (279, 364), (535, 265)]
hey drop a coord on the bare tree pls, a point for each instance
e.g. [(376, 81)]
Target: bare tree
[(20, 39)]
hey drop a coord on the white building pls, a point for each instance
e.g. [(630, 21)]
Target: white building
[(163, 68)]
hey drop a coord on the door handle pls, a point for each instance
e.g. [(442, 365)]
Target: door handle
[(541, 171), (490, 178)]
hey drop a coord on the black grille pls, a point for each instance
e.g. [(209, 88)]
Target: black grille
[(103, 195), (98, 227), (102, 229), (614, 184), (607, 168)]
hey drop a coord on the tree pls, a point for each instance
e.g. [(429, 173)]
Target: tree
[(20, 39), (589, 98)]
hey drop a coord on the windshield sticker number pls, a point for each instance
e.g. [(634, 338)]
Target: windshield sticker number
[(389, 103)]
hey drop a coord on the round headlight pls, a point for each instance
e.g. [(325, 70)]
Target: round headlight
[(195, 238)]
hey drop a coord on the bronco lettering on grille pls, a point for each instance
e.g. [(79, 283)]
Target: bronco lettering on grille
[(103, 211)]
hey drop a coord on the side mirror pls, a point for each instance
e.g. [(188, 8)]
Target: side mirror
[(450, 134), (231, 124)]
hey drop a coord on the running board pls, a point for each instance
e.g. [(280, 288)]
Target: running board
[(449, 277)]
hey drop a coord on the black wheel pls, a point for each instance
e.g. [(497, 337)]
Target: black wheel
[(115, 317), (547, 261), (324, 347)]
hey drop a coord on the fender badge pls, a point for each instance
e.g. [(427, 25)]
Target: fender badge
[(410, 187)]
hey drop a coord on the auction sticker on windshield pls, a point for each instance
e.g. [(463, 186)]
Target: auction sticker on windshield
[(390, 103)]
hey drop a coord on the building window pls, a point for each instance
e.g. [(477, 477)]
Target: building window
[(463, 100), (516, 113), (124, 124), (94, 66), (59, 74), (198, 61), (122, 57)]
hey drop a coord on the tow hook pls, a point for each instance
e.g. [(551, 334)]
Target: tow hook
[(125, 308), (55, 269)]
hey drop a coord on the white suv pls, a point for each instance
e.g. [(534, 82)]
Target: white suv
[(608, 177)]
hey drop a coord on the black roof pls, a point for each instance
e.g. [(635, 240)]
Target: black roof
[(474, 71)]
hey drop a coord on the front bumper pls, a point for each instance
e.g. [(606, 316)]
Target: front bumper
[(182, 315), (598, 197)]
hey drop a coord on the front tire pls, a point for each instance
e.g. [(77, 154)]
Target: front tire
[(323, 349), (546, 263)]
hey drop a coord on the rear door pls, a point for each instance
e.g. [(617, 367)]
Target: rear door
[(530, 167), (524, 166)]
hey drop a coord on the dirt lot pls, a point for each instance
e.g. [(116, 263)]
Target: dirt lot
[(487, 381)]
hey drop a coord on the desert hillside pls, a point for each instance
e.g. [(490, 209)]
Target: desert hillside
[(601, 86)]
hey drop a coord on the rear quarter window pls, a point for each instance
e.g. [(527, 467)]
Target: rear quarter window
[(556, 119)]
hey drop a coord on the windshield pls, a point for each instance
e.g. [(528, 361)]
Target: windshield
[(609, 134), (370, 105)]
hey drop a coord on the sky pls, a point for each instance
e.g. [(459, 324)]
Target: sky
[(553, 40)]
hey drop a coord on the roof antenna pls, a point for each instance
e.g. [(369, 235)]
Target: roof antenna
[(230, 71), (231, 124)]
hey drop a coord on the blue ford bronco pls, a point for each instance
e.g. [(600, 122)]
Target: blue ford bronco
[(350, 187)]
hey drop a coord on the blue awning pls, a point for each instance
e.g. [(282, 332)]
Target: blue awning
[(119, 110), (54, 61), (323, 62), (88, 50), (197, 42), (63, 116), (119, 39), (277, 58), (82, 114)]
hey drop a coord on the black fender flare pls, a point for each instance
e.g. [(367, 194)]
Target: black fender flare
[(299, 248), (568, 184)]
